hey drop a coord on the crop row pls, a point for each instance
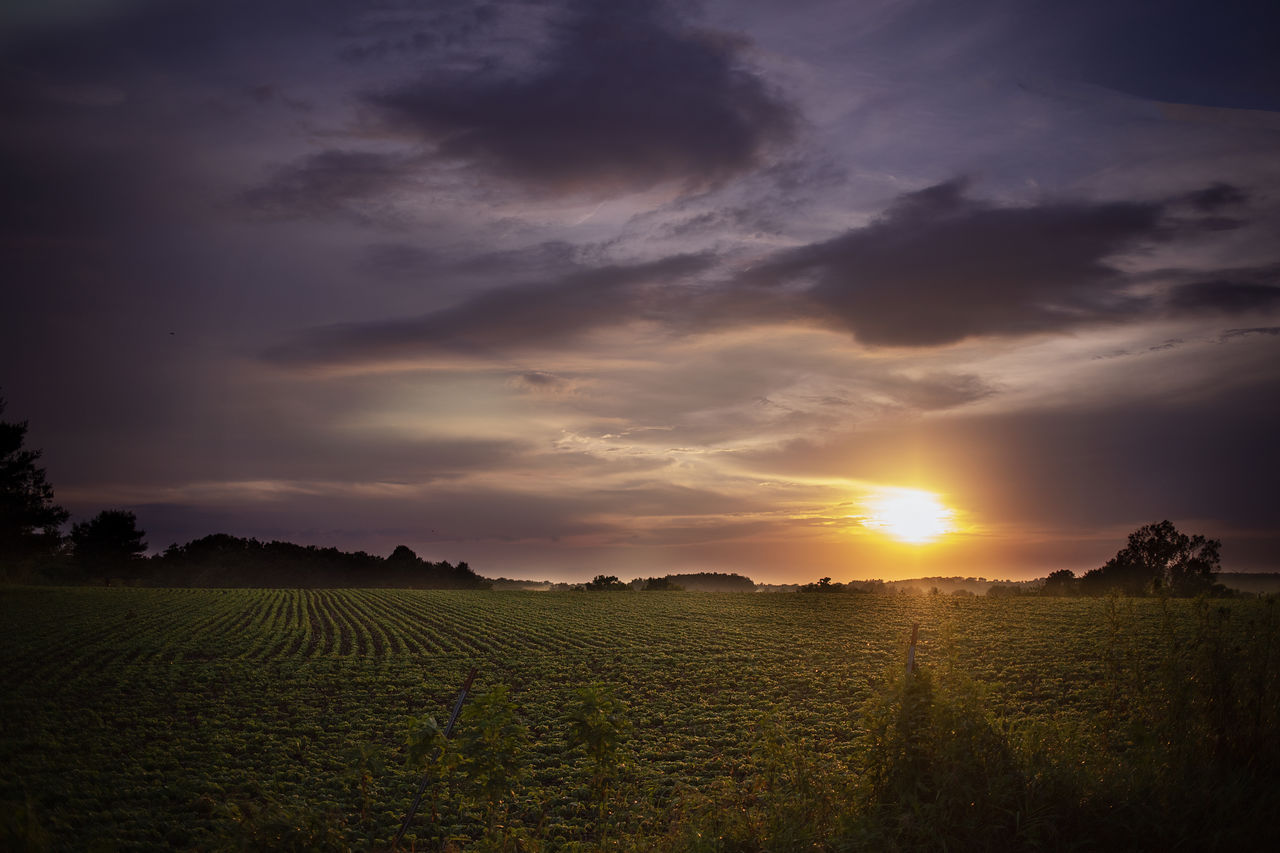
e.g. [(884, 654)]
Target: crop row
[(140, 714)]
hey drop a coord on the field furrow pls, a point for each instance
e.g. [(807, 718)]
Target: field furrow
[(148, 718)]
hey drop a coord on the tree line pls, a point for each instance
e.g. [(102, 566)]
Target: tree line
[(1159, 559), (110, 546), (698, 581)]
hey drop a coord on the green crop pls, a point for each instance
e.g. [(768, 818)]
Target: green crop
[(151, 719)]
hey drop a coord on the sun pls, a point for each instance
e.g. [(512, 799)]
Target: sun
[(910, 516)]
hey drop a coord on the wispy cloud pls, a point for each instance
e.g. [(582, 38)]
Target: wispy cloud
[(499, 320)]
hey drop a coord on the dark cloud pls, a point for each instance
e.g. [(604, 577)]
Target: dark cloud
[(326, 183), (1244, 333), (412, 263), (625, 99), (1217, 196), (500, 319), (1223, 297), (410, 29), (939, 267), (400, 260), (539, 381), (175, 35)]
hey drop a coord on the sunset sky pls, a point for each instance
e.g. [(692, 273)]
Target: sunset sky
[(563, 288)]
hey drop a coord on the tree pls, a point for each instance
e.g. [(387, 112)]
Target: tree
[(659, 584), (1160, 559), (29, 519), (403, 554), (605, 582), (108, 545), (1061, 582)]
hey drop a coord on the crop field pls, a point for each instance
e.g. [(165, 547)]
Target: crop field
[(148, 719)]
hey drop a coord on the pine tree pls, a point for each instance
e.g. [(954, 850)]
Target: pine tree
[(29, 519)]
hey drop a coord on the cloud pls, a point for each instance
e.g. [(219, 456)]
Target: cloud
[(936, 391), (327, 183), (625, 99), (545, 314), (1223, 297), (541, 382), (1272, 331), (1213, 198), (939, 267), (432, 521), (1119, 462), (113, 37)]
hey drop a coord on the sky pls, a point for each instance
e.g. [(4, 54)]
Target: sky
[(570, 288)]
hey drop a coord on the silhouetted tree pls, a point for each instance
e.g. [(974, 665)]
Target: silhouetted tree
[(714, 582), (1159, 558), (823, 585), (1061, 582), (223, 560), (29, 519), (403, 554), (664, 584), (108, 545), (605, 582)]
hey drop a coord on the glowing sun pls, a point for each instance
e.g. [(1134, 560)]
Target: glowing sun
[(910, 516)]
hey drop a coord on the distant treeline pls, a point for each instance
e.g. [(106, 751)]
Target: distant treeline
[(697, 581), (221, 560), (713, 582), (958, 586), (110, 546)]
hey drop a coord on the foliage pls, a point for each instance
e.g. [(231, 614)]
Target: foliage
[(597, 723), (364, 766), (29, 519), (1159, 559), (1059, 583), (825, 585), (714, 582), (605, 583), (271, 827), (108, 545), (933, 752), (20, 830), (223, 560), (426, 746), (157, 719), (491, 745), (663, 584)]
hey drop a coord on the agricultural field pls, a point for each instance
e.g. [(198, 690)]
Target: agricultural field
[(151, 719)]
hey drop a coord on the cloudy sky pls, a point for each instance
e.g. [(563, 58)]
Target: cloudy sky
[(561, 288)]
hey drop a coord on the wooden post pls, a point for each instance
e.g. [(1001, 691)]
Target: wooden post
[(911, 649), (426, 777)]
